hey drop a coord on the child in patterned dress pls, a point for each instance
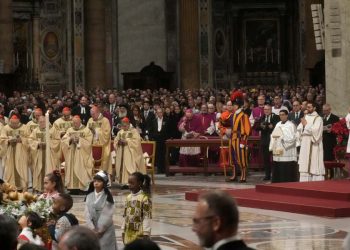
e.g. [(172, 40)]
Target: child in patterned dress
[(138, 208)]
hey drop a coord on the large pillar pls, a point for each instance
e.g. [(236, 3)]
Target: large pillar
[(36, 47), (6, 36), (189, 43), (95, 44), (337, 52)]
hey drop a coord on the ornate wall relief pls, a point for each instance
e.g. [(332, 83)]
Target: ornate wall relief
[(205, 43), (78, 22), (53, 44)]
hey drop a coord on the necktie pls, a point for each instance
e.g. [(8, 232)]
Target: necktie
[(146, 114), (112, 108), (296, 115)]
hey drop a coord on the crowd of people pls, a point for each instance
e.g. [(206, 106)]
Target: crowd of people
[(293, 123), (83, 119)]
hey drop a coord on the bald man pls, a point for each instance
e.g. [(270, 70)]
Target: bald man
[(77, 142), (101, 130), (33, 124), (37, 149), (60, 127)]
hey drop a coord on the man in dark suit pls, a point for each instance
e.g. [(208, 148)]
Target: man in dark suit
[(296, 114), (215, 222), (329, 139), (112, 101), (267, 123), (159, 132), (82, 110), (148, 116)]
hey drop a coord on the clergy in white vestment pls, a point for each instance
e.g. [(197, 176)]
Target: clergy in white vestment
[(284, 150), (347, 120), (310, 129)]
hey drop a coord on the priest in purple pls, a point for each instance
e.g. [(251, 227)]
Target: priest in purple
[(191, 127), (208, 129), (207, 121), (254, 119), (256, 114)]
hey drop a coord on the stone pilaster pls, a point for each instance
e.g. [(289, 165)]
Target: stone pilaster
[(205, 43), (189, 43), (36, 48), (6, 36), (95, 44), (337, 52), (78, 37)]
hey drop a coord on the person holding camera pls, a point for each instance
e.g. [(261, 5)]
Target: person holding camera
[(267, 123)]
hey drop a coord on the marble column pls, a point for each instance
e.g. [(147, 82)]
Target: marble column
[(95, 44), (115, 43), (6, 36), (171, 19), (337, 53), (189, 43), (36, 47)]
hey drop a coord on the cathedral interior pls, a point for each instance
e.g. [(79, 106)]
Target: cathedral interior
[(72, 44)]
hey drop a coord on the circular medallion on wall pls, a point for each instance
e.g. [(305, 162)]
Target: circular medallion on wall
[(50, 45), (220, 42)]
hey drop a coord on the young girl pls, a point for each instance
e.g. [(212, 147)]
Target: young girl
[(29, 222), (99, 211), (138, 208), (53, 185)]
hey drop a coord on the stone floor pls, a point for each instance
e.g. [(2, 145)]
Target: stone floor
[(261, 229)]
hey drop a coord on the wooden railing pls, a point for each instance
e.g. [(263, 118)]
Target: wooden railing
[(207, 168)]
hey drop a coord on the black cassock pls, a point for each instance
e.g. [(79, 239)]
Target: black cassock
[(329, 139)]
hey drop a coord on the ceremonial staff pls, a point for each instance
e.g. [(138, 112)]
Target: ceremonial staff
[(47, 139), (121, 164)]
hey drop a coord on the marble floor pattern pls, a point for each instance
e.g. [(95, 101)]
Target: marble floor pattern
[(261, 229)]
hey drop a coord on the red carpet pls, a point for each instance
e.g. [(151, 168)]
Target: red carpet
[(321, 198)]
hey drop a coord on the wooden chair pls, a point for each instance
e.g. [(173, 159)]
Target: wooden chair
[(204, 155), (149, 147), (225, 160), (97, 154), (334, 169)]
